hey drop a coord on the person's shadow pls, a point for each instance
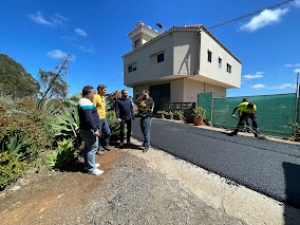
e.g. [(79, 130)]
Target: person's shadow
[(292, 193), (130, 146)]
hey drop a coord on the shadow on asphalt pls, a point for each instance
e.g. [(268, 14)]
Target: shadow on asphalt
[(292, 183)]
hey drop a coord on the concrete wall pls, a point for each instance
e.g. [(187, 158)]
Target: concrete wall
[(145, 70), (212, 69), (186, 53), (177, 90)]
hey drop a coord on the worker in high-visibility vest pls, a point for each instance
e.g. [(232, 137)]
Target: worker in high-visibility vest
[(248, 110), (146, 105), (246, 121)]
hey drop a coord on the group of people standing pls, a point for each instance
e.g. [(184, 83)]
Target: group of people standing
[(93, 122)]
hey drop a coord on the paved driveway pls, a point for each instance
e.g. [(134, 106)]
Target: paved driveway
[(269, 167)]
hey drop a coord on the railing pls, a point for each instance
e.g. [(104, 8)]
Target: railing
[(180, 106)]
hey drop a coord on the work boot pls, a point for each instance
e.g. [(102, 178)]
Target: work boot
[(233, 132), (256, 132)]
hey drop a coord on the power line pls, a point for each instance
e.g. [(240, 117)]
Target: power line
[(250, 14), (113, 79)]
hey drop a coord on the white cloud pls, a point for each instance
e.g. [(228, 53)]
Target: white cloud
[(38, 18), (68, 38), (265, 18), (292, 65), (54, 21), (258, 86), (81, 32), (58, 54), (278, 87), (282, 86), (254, 76), (85, 49), (296, 70), (297, 3)]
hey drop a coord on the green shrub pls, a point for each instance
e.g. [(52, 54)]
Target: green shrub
[(114, 126), (295, 131), (63, 156), (11, 168), (178, 112), (161, 112)]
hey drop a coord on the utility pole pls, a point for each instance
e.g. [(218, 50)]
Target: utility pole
[(297, 99)]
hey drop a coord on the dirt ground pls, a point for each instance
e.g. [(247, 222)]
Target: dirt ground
[(130, 191)]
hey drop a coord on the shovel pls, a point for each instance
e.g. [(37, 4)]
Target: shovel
[(253, 131)]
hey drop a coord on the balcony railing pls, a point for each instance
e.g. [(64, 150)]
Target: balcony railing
[(172, 106)]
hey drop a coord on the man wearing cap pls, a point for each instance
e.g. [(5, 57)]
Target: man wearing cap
[(248, 111), (246, 121)]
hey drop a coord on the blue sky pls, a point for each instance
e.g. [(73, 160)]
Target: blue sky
[(38, 34)]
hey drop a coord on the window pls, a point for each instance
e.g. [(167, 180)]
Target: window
[(220, 62), (157, 58), (228, 68), (209, 54), (132, 67), (137, 43), (160, 57), (129, 69)]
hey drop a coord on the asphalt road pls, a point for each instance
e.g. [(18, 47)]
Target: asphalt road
[(269, 167)]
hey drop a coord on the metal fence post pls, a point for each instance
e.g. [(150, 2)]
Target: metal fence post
[(297, 99)]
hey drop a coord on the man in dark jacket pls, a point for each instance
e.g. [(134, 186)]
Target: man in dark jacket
[(125, 115)]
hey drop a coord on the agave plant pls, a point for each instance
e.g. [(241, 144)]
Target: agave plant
[(66, 123)]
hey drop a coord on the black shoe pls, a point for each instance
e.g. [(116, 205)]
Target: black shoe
[(146, 149), (121, 145), (232, 134), (108, 148), (129, 143), (100, 152)]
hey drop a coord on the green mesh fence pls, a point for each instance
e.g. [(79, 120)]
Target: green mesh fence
[(205, 101), (275, 112)]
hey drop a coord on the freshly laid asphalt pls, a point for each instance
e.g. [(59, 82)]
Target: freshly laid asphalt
[(269, 167)]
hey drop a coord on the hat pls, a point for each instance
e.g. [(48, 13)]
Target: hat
[(245, 99)]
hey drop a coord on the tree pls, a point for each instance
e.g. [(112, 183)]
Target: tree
[(58, 88), (14, 80), (52, 82)]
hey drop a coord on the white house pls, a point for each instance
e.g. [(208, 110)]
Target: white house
[(179, 63)]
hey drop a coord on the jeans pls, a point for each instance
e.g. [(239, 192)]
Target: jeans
[(145, 127), (128, 123), (91, 145), (105, 130)]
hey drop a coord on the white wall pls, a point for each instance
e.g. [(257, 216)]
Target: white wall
[(145, 71), (177, 90), (186, 53), (212, 69)]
